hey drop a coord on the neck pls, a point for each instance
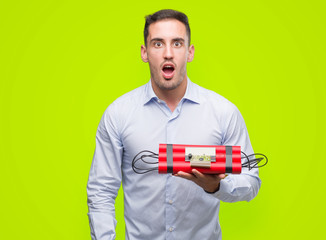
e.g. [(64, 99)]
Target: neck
[(171, 97)]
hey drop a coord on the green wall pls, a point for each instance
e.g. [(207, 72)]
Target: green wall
[(63, 62)]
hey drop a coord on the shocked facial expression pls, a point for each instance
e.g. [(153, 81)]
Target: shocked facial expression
[(167, 53)]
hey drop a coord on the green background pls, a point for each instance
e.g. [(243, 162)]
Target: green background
[(63, 62)]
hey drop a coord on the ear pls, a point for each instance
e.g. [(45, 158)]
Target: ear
[(191, 52), (143, 51)]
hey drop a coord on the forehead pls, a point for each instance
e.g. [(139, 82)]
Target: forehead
[(167, 29)]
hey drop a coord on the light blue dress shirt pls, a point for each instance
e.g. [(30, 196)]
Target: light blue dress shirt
[(162, 206)]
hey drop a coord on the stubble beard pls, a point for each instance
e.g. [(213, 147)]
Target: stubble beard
[(168, 84)]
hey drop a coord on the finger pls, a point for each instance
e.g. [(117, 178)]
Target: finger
[(198, 174), (186, 175), (222, 176), (202, 176)]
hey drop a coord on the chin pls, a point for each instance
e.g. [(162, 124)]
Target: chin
[(170, 85)]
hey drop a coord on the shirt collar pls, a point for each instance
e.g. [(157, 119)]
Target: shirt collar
[(149, 93), (191, 92)]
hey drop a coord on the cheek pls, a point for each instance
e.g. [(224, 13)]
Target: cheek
[(153, 59), (183, 63), (154, 67), (182, 57)]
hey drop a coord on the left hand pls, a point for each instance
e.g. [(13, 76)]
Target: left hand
[(209, 182)]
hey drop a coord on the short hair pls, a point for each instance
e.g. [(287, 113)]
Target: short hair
[(166, 14)]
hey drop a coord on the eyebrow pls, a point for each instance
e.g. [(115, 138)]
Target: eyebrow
[(156, 39), (178, 39), (161, 39)]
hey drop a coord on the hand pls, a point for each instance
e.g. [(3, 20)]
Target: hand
[(209, 182)]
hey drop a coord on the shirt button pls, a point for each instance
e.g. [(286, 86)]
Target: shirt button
[(170, 229), (158, 100), (170, 201)]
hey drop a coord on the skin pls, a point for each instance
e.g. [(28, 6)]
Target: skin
[(167, 42), (209, 182)]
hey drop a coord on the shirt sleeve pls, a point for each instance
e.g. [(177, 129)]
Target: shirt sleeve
[(104, 179), (244, 186)]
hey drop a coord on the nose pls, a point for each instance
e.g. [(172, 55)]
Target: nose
[(168, 52)]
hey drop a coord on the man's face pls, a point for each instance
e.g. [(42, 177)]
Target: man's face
[(167, 53)]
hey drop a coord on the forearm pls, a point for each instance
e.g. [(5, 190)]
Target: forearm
[(102, 225), (236, 188), (101, 207), (104, 180)]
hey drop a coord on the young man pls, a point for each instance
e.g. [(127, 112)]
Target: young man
[(168, 109)]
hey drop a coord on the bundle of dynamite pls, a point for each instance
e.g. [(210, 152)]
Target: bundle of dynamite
[(208, 159)]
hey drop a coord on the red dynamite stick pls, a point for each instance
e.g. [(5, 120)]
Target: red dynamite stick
[(176, 157)]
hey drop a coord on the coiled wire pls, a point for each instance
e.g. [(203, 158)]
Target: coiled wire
[(250, 163)]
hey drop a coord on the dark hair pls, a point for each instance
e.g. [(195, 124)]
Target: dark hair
[(166, 14)]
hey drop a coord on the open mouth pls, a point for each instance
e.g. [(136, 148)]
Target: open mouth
[(168, 70)]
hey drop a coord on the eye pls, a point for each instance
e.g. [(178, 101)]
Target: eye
[(158, 44), (177, 44)]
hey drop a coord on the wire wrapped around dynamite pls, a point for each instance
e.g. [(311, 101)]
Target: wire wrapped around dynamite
[(208, 159)]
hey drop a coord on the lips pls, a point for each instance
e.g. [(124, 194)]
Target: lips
[(168, 70)]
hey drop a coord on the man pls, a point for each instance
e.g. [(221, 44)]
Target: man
[(168, 109)]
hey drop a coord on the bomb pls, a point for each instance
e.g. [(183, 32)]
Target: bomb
[(208, 159)]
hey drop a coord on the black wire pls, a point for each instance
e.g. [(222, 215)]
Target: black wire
[(250, 164), (253, 163), (246, 158), (138, 158)]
